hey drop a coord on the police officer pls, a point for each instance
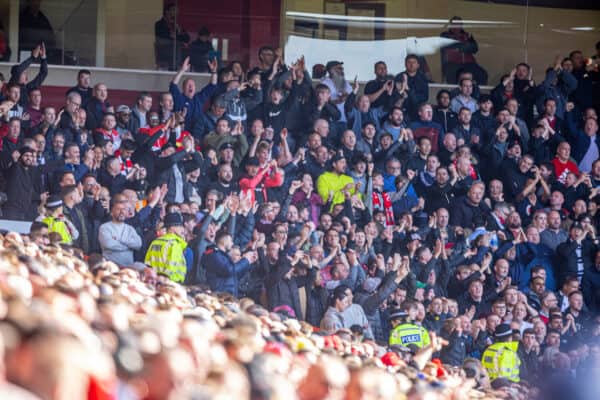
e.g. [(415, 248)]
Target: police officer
[(404, 331), (501, 359), (167, 253)]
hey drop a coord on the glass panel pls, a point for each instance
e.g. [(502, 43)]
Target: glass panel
[(492, 39), (67, 28)]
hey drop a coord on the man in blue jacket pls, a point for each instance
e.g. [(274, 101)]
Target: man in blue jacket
[(585, 143), (222, 274), (188, 98)]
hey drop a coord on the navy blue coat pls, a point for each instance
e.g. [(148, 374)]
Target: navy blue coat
[(222, 274), (578, 139)]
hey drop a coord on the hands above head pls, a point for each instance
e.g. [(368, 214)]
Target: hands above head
[(185, 66), (213, 65)]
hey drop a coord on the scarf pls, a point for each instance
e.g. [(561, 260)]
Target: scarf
[(383, 197), (126, 166)]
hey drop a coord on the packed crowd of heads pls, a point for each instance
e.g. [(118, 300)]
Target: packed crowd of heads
[(264, 236)]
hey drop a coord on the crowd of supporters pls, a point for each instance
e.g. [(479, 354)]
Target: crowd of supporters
[(271, 236)]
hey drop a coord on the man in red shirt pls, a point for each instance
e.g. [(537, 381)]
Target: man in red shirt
[(562, 163)]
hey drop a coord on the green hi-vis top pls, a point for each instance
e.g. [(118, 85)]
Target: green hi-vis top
[(501, 361), (165, 255), (406, 334)]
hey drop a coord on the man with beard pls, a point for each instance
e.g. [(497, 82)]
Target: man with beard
[(415, 85), (443, 115), (23, 188), (123, 115), (316, 164), (118, 239), (339, 88), (553, 235), (440, 192), (225, 183), (394, 124)]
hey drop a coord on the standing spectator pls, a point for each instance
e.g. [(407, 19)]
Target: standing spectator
[(443, 114), (332, 184), (24, 187), (459, 56), (414, 84), (464, 98), (591, 285), (585, 142), (339, 87), (558, 86), (222, 274), (34, 109), (139, 113), (83, 86), (169, 39), (119, 240), (187, 97), (377, 89), (97, 106), (576, 254), (425, 126), (200, 50), (18, 73), (34, 27), (563, 164)]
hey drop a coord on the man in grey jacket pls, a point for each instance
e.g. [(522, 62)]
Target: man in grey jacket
[(118, 240)]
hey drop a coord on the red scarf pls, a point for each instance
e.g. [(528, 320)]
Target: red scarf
[(126, 166), (164, 138), (387, 206)]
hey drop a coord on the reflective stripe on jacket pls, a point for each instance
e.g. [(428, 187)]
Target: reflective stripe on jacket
[(501, 361), (165, 255)]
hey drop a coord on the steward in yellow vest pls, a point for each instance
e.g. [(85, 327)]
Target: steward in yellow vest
[(500, 359), (166, 253)]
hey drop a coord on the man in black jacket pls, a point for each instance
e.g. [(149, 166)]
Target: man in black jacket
[(576, 254), (464, 209), (284, 279), (528, 353), (23, 188), (18, 73), (416, 85)]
